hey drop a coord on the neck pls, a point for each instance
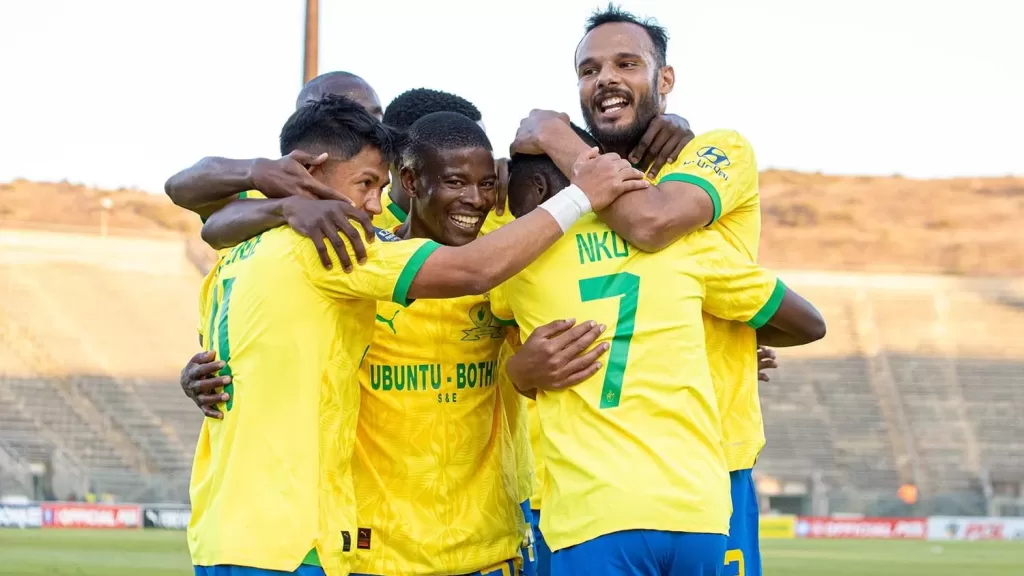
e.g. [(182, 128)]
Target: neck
[(413, 227)]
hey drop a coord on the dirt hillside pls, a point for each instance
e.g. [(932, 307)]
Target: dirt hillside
[(854, 223)]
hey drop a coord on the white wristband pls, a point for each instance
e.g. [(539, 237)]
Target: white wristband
[(567, 206)]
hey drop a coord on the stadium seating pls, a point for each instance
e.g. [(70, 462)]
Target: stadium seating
[(915, 381)]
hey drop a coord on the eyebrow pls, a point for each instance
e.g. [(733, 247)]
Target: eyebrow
[(616, 56)]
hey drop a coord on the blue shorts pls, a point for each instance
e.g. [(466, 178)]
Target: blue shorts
[(643, 553), (743, 555), (541, 547), (529, 548), (224, 570)]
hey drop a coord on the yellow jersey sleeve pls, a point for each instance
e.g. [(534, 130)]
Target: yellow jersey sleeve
[(501, 309), (494, 221), (722, 163), (391, 265), (736, 288)]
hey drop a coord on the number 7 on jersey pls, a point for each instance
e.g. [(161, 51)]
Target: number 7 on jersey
[(626, 287)]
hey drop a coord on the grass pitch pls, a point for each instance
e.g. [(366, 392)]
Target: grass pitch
[(160, 553)]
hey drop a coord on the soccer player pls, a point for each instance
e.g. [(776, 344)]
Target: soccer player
[(401, 114), (271, 484), (623, 81), (618, 499)]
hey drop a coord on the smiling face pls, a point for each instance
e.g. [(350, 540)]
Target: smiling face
[(621, 86), (452, 193)]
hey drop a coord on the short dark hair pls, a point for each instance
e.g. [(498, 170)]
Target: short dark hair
[(411, 105), (523, 167), (442, 131), (613, 14), (340, 126)]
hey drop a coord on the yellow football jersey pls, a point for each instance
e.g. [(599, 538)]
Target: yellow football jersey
[(539, 476), (518, 425), (434, 495), (272, 480), (638, 445), (392, 215), (722, 163)]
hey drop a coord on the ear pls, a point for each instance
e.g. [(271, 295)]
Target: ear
[(666, 80), (540, 186), (407, 179)]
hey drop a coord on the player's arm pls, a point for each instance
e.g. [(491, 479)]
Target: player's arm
[(680, 202), (488, 261), (795, 323), (213, 181), (405, 271), (737, 289), (693, 195), (318, 220)]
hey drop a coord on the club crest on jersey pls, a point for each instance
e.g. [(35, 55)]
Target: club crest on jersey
[(484, 324)]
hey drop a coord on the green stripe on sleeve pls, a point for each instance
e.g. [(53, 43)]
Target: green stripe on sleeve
[(708, 187), (503, 322), (397, 211), (412, 267), (770, 307)]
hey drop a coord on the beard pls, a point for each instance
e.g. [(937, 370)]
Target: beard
[(624, 139)]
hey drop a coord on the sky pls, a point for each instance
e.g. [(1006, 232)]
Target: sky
[(125, 93)]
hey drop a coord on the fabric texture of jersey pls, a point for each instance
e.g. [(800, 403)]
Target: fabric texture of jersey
[(643, 553), (743, 551), (653, 398), (272, 480), (722, 162), (537, 498), (519, 427), (434, 493)]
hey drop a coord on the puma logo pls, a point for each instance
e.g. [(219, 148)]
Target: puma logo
[(389, 321)]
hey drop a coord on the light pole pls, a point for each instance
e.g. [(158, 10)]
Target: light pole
[(312, 40)]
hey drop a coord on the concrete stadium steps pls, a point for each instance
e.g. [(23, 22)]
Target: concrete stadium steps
[(87, 326)]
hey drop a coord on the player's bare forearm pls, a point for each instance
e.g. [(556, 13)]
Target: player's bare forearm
[(241, 220), (652, 219), (561, 143), (769, 335), (209, 183), (795, 323), (450, 272)]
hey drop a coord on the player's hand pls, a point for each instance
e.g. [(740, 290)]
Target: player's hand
[(665, 138), (289, 176), (200, 383), (553, 356), (321, 220), (501, 188), (531, 128), (605, 177), (765, 361)]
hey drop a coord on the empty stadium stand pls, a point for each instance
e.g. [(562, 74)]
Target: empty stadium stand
[(919, 379)]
